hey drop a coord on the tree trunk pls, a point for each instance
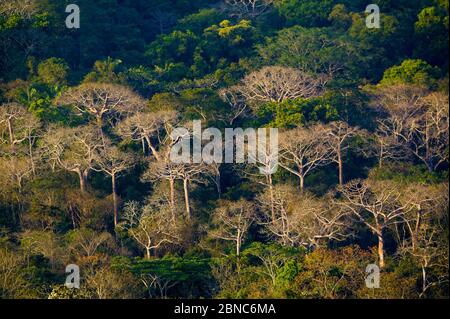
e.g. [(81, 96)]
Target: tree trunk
[(340, 165), (302, 183), (424, 279), (172, 196), (30, 150), (148, 253), (186, 198), (82, 181), (238, 243), (11, 134), (115, 204), (272, 199), (381, 250)]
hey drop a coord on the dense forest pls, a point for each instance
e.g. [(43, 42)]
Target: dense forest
[(86, 116)]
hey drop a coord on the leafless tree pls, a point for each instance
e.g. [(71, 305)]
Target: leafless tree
[(151, 227), (419, 121), (14, 171), (247, 8), (145, 126), (304, 149), (387, 146), (277, 84), (338, 134), (103, 101), (85, 242), (431, 253), (377, 204), (73, 149), (300, 220), (113, 162), (189, 174), (20, 130), (231, 221), (233, 97)]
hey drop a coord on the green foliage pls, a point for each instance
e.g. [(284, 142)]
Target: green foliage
[(415, 72), (407, 173), (53, 72), (316, 50), (307, 13)]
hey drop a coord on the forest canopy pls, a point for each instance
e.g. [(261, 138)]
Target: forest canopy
[(87, 115)]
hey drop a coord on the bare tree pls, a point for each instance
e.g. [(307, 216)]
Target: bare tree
[(233, 97), (145, 127), (277, 84), (387, 146), (377, 205), (426, 240), (301, 220), (231, 221), (151, 227), (247, 8), (302, 150), (431, 253), (73, 149), (14, 171), (189, 174), (85, 242), (103, 101), (418, 120), (113, 162), (338, 134)]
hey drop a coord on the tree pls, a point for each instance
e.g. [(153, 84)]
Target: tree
[(145, 127), (113, 162), (73, 149), (13, 283), (300, 220), (16, 125), (305, 149), (103, 101), (338, 134), (236, 101), (231, 221), (151, 227), (418, 120), (317, 51), (377, 205), (277, 84), (190, 173), (53, 72), (332, 273), (247, 8), (85, 242), (307, 13), (272, 258), (427, 240), (413, 72)]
